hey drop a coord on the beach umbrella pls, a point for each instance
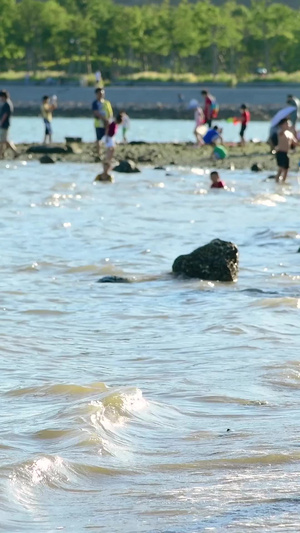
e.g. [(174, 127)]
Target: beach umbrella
[(283, 113)]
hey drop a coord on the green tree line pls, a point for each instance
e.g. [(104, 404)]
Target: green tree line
[(83, 35)]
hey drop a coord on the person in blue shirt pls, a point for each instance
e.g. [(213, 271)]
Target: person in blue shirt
[(213, 135)]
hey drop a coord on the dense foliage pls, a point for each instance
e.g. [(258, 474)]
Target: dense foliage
[(82, 35)]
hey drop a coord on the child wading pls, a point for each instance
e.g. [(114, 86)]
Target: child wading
[(285, 140)]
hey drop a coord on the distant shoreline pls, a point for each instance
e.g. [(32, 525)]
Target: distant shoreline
[(159, 112)]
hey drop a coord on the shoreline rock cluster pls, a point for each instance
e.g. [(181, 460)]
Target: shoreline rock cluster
[(160, 155)]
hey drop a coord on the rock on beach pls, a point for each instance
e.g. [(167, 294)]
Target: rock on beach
[(127, 166)]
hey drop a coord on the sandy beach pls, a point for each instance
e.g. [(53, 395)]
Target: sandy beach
[(164, 154)]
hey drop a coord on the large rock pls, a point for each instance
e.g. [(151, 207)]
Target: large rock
[(127, 166), (216, 261)]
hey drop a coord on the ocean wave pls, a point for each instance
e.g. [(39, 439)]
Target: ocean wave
[(85, 416), (231, 400), (267, 200), (232, 462), (289, 302), (286, 375), (60, 389)]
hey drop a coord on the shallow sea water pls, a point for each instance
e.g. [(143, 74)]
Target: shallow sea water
[(31, 129), (162, 405)]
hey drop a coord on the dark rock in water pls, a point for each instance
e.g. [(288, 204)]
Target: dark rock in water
[(45, 149), (47, 159), (216, 261), (138, 142), (127, 166), (298, 251), (159, 168), (113, 279), (272, 177), (256, 167)]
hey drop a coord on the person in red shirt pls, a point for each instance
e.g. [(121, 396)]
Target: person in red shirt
[(217, 183), (245, 119), (208, 107)]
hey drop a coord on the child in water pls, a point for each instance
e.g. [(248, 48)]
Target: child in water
[(217, 183)]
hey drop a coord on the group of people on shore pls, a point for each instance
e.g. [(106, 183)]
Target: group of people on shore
[(283, 134), (206, 134), (106, 127)]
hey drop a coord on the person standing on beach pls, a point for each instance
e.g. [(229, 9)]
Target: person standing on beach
[(47, 109), (103, 114), (245, 119), (285, 140), (200, 128), (125, 125), (293, 101), (210, 107), (5, 117)]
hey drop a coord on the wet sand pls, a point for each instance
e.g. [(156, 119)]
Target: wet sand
[(165, 154)]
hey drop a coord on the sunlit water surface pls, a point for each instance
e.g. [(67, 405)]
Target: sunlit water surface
[(117, 399)]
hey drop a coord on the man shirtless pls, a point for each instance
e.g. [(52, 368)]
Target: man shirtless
[(286, 138)]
